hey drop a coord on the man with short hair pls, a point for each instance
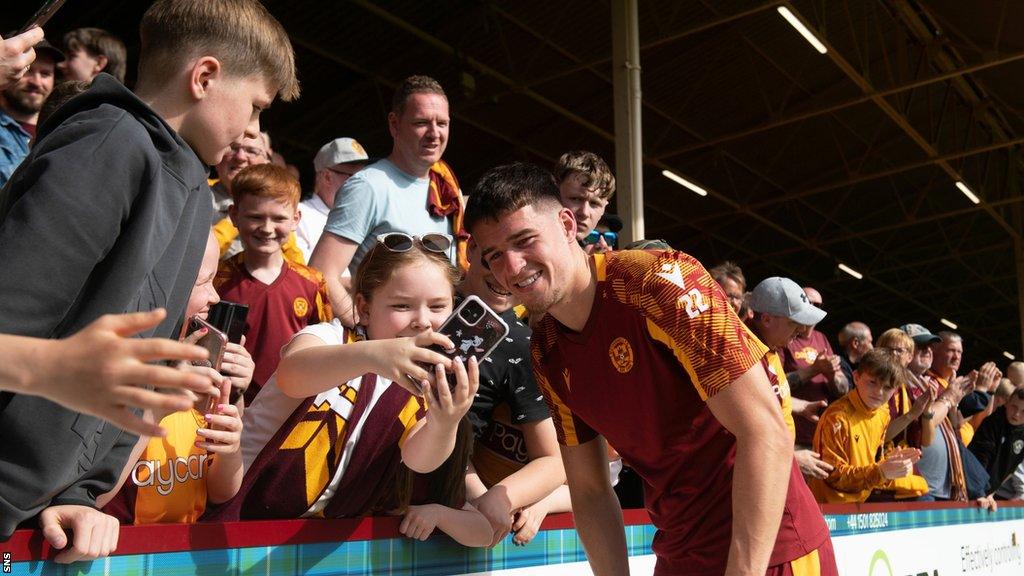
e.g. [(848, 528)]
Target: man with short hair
[(335, 163), (250, 149), (20, 106), (91, 51), (641, 348), (395, 194), (585, 186), (941, 463), (730, 277), (854, 342), (812, 369)]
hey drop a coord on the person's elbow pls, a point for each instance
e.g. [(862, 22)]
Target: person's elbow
[(771, 438)]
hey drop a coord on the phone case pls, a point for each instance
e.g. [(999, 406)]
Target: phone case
[(475, 330), (214, 341)]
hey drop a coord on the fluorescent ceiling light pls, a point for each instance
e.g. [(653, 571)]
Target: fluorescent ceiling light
[(1009, 356), (967, 192), (683, 182), (948, 323), (803, 30), (851, 271)]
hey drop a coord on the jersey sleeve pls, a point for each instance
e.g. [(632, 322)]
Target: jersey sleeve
[(687, 311)]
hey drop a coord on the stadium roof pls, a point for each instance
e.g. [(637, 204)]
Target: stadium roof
[(811, 159)]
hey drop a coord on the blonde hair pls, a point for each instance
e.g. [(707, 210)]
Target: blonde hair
[(241, 34), (895, 338)]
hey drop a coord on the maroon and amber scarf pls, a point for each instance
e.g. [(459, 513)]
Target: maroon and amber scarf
[(444, 200)]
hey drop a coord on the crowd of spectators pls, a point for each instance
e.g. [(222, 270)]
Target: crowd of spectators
[(338, 377)]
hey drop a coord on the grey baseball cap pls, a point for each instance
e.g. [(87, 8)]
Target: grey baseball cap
[(339, 151), (783, 297), (921, 335)]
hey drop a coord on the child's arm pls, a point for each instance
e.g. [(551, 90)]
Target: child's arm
[(475, 487), (528, 520), (223, 440), (534, 481), (310, 366), (431, 440), (466, 526)]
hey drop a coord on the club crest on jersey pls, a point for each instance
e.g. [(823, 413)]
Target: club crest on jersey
[(1018, 445), (300, 306), (621, 354)]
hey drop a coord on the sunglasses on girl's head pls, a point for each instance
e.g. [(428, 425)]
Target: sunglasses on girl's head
[(402, 242), (610, 238)]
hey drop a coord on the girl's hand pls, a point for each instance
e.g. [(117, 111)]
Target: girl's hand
[(420, 521), (406, 361), (224, 435), (238, 365), (446, 409)]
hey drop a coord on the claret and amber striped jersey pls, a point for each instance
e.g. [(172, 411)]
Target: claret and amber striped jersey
[(661, 339)]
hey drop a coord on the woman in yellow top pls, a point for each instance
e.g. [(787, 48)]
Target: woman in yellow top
[(851, 436)]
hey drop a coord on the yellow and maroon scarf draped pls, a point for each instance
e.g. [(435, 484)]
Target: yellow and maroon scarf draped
[(298, 462), (444, 199), (957, 478)]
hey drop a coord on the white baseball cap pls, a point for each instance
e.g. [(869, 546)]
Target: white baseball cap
[(339, 151)]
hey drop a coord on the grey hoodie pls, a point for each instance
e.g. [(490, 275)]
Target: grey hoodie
[(109, 213)]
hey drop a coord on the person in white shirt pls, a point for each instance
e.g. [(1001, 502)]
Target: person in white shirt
[(335, 163)]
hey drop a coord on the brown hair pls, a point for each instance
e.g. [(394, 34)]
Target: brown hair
[(414, 85), (266, 181), (445, 486), (595, 171), (883, 365), (241, 34), (98, 42), (730, 270), (62, 92), (380, 264)]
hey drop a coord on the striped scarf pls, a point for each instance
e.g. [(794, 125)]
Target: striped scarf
[(957, 480), (444, 199)]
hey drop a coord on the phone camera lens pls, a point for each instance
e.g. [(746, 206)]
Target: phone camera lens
[(472, 313)]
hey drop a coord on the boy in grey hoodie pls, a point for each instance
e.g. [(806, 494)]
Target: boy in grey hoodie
[(110, 213)]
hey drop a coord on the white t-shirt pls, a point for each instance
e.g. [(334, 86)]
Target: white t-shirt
[(272, 407), (311, 225)]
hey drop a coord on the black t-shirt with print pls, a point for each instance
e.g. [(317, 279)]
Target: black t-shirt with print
[(507, 377)]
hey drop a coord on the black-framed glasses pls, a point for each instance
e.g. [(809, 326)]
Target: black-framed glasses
[(402, 242)]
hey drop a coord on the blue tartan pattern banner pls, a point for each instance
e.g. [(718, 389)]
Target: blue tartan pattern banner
[(438, 556)]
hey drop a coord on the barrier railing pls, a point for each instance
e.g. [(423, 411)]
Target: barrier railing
[(870, 540)]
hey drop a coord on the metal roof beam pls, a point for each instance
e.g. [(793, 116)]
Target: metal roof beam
[(771, 125)]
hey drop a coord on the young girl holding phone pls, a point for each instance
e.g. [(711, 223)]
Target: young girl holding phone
[(173, 479), (336, 432)]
